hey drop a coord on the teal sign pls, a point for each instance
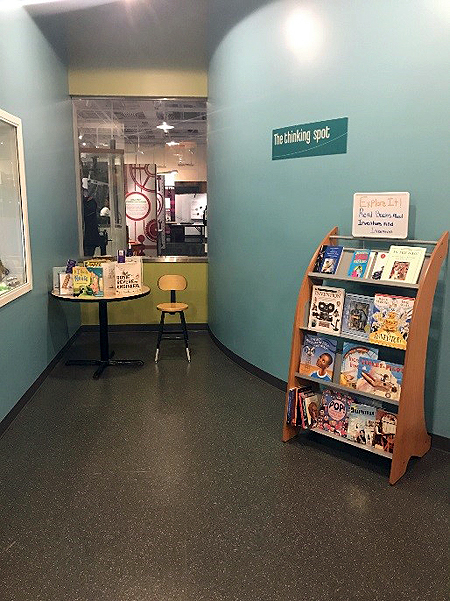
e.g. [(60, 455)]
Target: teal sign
[(310, 139)]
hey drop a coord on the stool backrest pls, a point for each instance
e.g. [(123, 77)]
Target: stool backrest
[(172, 282)]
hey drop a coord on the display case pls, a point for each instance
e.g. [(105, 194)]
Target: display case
[(15, 256)]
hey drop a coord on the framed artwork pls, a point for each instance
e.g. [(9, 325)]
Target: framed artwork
[(15, 255)]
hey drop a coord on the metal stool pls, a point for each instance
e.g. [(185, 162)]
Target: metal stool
[(173, 283)]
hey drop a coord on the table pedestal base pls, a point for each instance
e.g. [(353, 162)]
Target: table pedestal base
[(102, 365)]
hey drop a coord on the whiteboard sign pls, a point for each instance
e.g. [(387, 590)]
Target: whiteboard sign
[(380, 215)]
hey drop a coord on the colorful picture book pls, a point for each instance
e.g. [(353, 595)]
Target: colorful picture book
[(381, 378), (361, 424), (65, 284), (389, 320), (379, 262), (404, 264), (384, 431), (356, 315), (359, 263), (328, 259), (325, 313), (334, 411), (303, 407), (351, 353), (370, 263), (128, 278), (87, 281), (318, 357)]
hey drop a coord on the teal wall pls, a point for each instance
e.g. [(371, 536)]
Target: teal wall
[(33, 86), (382, 64)]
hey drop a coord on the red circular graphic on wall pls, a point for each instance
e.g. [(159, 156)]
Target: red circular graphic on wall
[(137, 206), (143, 177), (151, 230), (159, 203)]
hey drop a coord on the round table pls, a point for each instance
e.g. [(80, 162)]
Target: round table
[(105, 356)]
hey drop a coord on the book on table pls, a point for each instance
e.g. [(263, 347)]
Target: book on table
[(325, 313), (87, 281), (128, 277)]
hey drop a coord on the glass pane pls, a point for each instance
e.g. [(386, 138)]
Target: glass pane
[(12, 255)]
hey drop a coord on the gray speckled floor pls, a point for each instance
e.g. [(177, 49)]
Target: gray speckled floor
[(170, 482)]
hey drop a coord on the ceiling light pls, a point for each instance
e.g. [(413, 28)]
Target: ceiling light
[(84, 143), (80, 137), (165, 126), (172, 143)]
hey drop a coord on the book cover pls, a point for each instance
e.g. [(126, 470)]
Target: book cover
[(356, 315), (319, 258), (334, 412), (325, 313), (109, 276), (389, 320), (312, 403), (359, 263), (384, 431), (318, 357), (292, 396), (361, 424), (331, 259), (404, 263), (351, 353), (370, 264), (81, 281), (378, 265), (56, 271), (96, 282), (380, 377), (301, 419), (65, 284), (128, 278)]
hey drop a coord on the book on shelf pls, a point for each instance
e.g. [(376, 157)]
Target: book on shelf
[(303, 407), (334, 411), (370, 264), (325, 313), (390, 319), (404, 263), (318, 357), (384, 431), (381, 378), (128, 277), (379, 262), (351, 353), (292, 396), (328, 259), (87, 281), (361, 424), (312, 404), (359, 263), (356, 315)]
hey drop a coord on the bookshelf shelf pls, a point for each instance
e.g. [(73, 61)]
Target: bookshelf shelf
[(351, 391), (412, 438), (352, 443), (346, 336)]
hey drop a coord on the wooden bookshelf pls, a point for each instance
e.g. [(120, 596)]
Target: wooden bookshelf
[(412, 438)]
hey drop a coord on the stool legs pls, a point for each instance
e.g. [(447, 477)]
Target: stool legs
[(160, 333), (185, 334)]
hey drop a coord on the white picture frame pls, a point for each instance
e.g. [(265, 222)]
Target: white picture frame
[(15, 221), (380, 215)]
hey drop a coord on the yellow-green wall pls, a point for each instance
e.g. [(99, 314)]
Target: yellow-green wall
[(137, 82), (143, 310)]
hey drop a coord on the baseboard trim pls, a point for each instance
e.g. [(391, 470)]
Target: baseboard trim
[(28, 395), (440, 442), (144, 327), (256, 371)]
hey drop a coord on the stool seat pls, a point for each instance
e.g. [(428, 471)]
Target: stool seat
[(172, 307)]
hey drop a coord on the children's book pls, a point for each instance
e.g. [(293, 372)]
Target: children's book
[(351, 353), (378, 265), (109, 276), (56, 271), (384, 431), (318, 357), (404, 263), (389, 320), (312, 403), (128, 278), (87, 282), (334, 412), (361, 424), (65, 284), (325, 314), (331, 259), (380, 377), (359, 263), (370, 264), (356, 315), (319, 258), (292, 397)]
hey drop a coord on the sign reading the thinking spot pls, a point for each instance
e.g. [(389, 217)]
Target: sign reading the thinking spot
[(310, 139)]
